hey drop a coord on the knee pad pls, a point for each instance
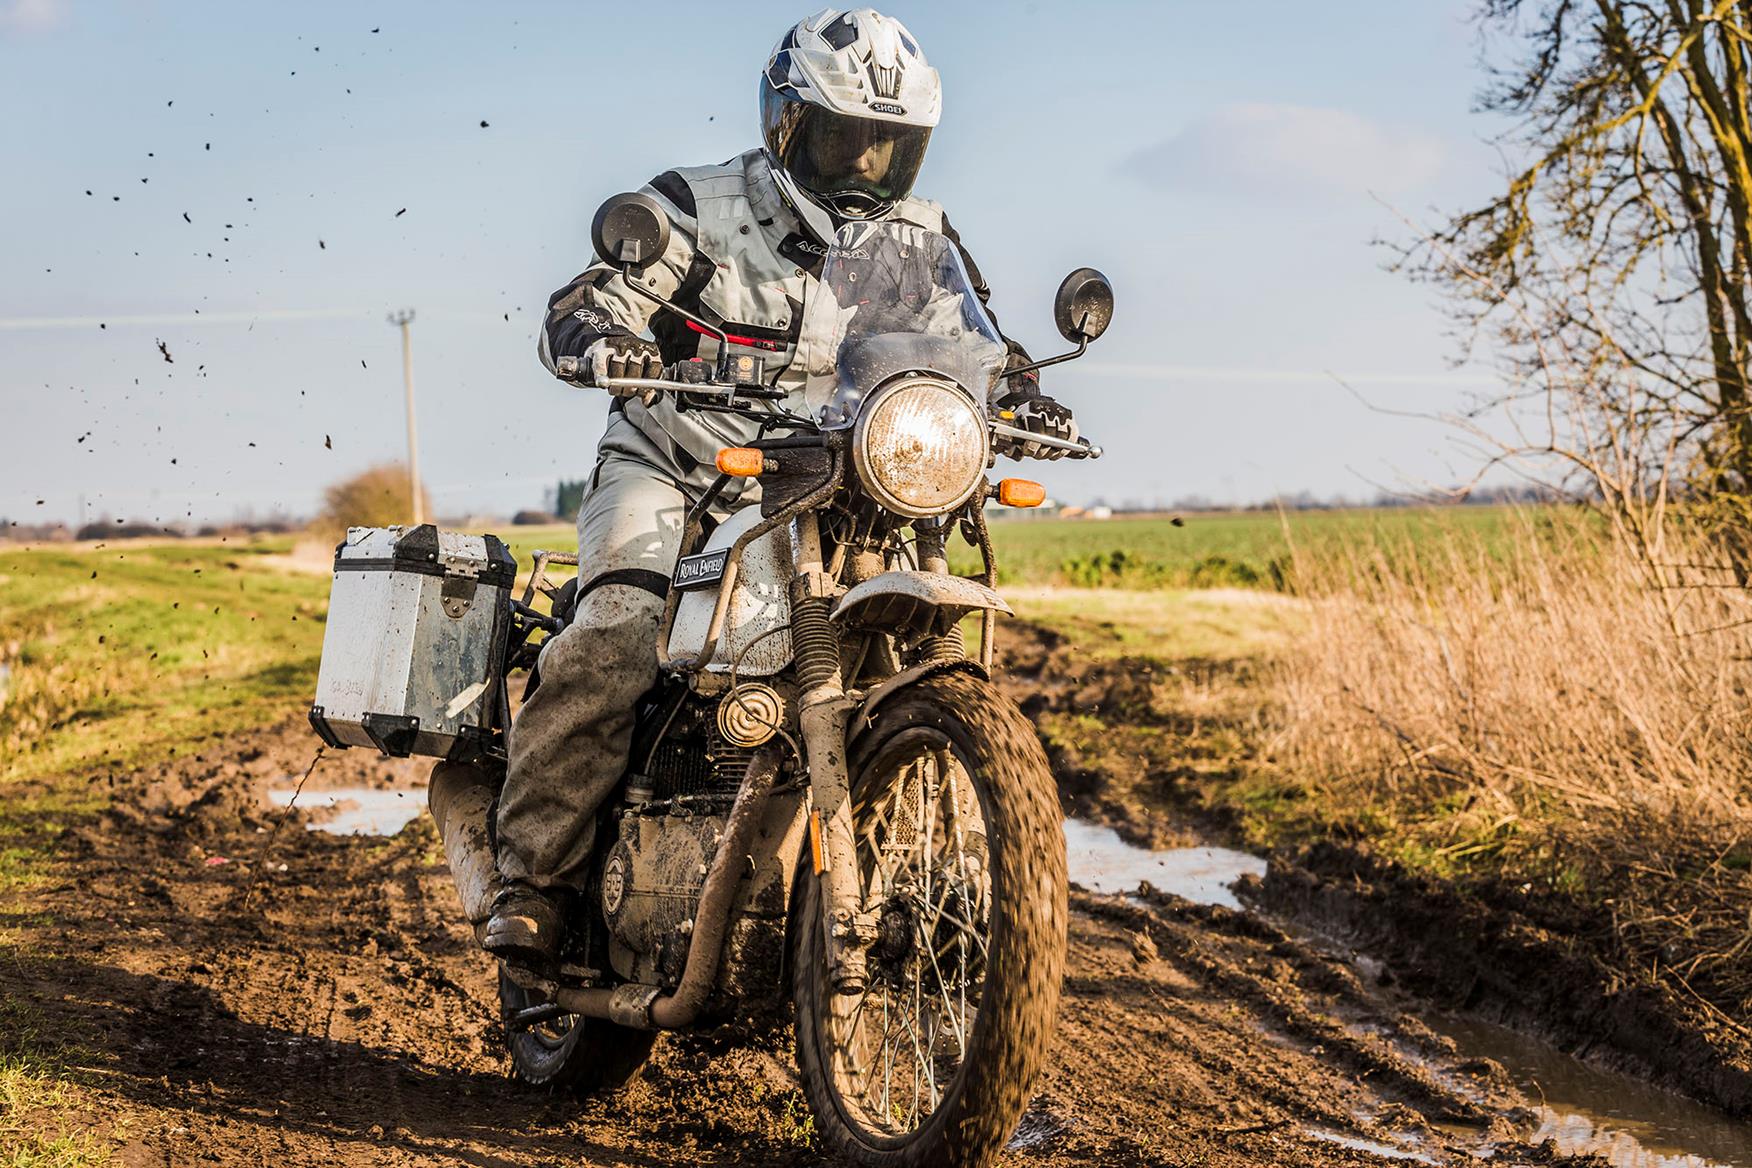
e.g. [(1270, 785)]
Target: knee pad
[(613, 634)]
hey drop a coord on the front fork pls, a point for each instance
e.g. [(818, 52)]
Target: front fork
[(824, 713)]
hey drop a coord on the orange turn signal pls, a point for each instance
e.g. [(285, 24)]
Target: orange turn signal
[(741, 461), (1019, 493)]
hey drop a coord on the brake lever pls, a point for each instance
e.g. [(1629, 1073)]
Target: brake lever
[(640, 384), (1081, 448)]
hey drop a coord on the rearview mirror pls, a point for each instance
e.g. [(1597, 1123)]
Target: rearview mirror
[(630, 230), (1084, 306)]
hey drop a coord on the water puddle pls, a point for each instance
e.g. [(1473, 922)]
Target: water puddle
[(1387, 1151), (356, 810), (1102, 862), (1585, 1110)]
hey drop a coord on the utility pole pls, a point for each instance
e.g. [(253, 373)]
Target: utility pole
[(402, 320)]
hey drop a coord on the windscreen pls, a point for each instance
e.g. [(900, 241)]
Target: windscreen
[(895, 297)]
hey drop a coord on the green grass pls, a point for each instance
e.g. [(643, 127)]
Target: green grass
[(37, 1085), (1223, 624), (122, 651)]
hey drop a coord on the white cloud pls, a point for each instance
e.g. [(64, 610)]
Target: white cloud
[(21, 16), (1273, 150)]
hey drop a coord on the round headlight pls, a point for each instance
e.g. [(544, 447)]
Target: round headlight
[(920, 446)]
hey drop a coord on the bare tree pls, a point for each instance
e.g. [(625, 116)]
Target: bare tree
[(1612, 272)]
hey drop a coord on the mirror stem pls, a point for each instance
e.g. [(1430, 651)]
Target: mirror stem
[(716, 334), (1082, 347)]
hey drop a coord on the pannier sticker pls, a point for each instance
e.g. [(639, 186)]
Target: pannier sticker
[(465, 699), (697, 571)]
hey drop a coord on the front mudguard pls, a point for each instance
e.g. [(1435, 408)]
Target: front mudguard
[(909, 603)]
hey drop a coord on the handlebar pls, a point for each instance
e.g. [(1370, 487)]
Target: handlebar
[(571, 369)]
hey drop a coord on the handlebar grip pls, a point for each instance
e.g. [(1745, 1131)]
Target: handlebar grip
[(572, 370)]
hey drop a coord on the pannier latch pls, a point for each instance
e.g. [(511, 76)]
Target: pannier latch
[(457, 592)]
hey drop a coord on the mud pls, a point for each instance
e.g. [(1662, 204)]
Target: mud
[(1500, 956), (239, 990)]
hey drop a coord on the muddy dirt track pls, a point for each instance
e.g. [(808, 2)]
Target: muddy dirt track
[(250, 995)]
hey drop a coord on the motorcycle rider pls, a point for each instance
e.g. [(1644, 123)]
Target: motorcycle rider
[(847, 104)]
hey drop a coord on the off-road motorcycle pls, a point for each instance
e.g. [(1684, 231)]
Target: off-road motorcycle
[(827, 797)]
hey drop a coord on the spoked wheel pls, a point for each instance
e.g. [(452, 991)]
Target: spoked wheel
[(586, 1054), (961, 860)]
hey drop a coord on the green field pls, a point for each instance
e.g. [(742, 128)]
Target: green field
[(1246, 549), (1250, 549)]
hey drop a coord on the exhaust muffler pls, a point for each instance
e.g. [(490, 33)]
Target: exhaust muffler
[(460, 797)]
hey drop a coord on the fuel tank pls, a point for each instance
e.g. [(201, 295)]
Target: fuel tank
[(757, 623)]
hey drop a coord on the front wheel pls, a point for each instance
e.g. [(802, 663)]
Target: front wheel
[(961, 860)]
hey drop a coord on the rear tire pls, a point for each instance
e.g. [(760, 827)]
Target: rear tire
[(583, 1054), (981, 925)]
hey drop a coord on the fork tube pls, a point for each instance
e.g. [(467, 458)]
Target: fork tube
[(824, 712), (932, 555)]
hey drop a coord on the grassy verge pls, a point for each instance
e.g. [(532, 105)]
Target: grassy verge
[(1524, 707), (119, 654), (38, 1082), (1571, 718), (1153, 706)]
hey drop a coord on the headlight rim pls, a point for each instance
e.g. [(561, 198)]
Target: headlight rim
[(873, 484)]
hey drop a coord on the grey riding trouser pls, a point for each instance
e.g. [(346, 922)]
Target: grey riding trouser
[(568, 745)]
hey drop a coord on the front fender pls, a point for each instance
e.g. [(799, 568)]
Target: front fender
[(913, 602)]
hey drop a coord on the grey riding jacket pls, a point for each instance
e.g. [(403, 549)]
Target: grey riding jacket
[(738, 257)]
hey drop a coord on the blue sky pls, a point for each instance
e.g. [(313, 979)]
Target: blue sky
[(1227, 167)]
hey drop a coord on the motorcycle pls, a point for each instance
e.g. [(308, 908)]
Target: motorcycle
[(828, 800)]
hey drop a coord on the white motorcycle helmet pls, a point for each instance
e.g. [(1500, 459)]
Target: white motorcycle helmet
[(847, 104)]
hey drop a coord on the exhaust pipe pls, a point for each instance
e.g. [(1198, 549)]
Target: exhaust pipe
[(460, 797), (647, 1007)]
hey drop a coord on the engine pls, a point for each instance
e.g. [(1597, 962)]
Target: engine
[(678, 801)]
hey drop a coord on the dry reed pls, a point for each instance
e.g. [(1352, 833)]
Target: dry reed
[(1549, 705)]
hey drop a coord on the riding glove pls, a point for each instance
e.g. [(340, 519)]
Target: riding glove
[(623, 355), (1044, 416)]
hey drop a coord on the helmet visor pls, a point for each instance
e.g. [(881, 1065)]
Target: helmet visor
[(851, 164)]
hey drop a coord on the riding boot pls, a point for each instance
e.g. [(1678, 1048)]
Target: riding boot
[(526, 926)]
